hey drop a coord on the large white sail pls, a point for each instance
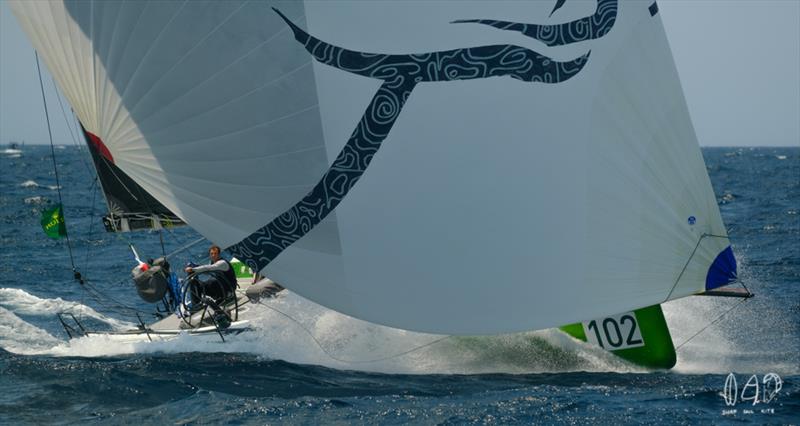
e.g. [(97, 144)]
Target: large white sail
[(519, 165)]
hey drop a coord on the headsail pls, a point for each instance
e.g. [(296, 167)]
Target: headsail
[(490, 197), (129, 206)]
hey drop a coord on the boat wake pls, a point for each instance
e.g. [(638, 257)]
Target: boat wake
[(22, 337), (18, 336), (736, 342), (296, 330), (24, 303)]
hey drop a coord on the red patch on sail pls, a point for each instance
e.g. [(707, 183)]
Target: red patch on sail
[(101, 147)]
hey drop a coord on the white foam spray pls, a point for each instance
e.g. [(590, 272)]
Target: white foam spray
[(294, 329), (748, 336), (22, 302), (35, 200), (19, 336)]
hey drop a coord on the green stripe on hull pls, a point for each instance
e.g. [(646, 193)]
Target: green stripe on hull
[(640, 337)]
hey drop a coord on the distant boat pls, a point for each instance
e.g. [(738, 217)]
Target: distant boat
[(14, 148), (499, 189)]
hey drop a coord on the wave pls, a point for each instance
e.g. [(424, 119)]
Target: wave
[(18, 336), (296, 330), (22, 302), (736, 342), (36, 200), (34, 184)]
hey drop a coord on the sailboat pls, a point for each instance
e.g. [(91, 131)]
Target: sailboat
[(13, 148), (446, 167)]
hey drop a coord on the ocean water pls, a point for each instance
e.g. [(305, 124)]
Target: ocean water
[(320, 367)]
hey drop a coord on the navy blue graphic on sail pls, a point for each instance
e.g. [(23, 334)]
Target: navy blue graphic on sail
[(558, 5), (400, 75), (588, 28)]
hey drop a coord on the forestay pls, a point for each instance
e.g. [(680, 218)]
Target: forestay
[(510, 176)]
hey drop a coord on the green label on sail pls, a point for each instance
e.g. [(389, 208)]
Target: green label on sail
[(53, 222)]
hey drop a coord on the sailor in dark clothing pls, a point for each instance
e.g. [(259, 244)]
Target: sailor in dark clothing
[(222, 280)]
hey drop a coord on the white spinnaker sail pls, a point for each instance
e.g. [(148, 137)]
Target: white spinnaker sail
[(493, 205)]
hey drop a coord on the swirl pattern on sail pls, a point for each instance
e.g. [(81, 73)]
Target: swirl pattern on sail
[(588, 28), (400, 74)]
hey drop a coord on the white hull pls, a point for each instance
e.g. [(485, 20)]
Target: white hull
[(209, 333), (199, 325)]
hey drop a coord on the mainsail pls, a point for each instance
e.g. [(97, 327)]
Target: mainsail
[(451, 167)]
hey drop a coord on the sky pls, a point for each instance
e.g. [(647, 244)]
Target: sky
[(738, 60)]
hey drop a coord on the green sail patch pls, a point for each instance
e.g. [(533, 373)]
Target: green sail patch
[(53, 222)]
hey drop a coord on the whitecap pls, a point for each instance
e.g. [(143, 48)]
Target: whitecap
[(23, 302), (29, 184), (35, 200), (18, 336), (296, 330)]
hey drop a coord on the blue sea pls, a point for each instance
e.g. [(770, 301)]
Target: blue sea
[(306, 364)]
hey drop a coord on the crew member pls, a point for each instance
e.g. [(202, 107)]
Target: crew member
[(222, 281)]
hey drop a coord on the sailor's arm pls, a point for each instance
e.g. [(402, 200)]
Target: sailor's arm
[(220, 265)]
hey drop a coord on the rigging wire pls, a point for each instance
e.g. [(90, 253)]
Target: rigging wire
[(161, 240), (346, 361), (686, 265), (73, 133), (76, 274), (88, 242), (716, 320), (110, 304), (91, 224), (68, 122), (90, 289), (186, 247)]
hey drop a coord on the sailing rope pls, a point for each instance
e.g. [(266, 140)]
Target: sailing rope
[(72, 131), (91, 223), (91, 290), (186, 247), (716, 320), (161, 239), (76, 274), (347, 361)]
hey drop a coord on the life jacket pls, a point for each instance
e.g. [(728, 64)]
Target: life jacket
[(230, 282)]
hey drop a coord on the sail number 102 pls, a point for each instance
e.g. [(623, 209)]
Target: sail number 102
[(616, 332)]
